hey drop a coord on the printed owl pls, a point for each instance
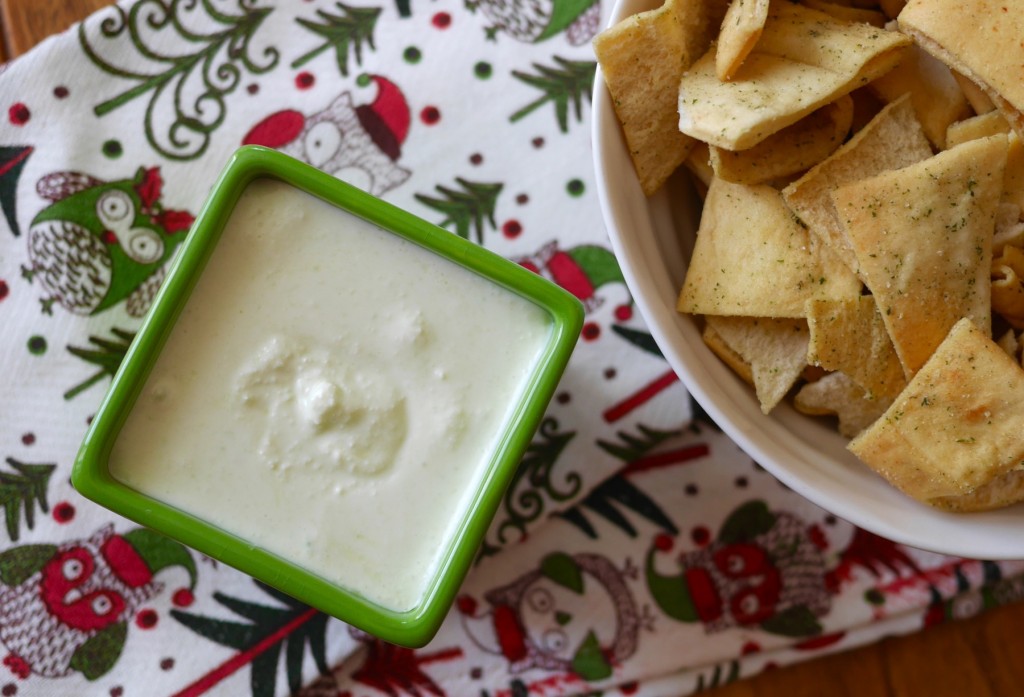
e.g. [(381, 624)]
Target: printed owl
[(99, 243), (573, 614), (66, 608), (533, 21), (359, 144)]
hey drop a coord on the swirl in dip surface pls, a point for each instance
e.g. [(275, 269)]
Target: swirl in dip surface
[(331, 393)]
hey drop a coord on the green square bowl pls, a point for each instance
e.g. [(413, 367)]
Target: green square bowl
[(412, 627)]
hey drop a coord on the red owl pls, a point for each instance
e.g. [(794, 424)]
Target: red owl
[(66, 608)]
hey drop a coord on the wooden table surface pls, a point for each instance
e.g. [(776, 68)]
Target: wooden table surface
[(980, 657)]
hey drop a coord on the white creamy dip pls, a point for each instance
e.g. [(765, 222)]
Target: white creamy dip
[(331, 393)]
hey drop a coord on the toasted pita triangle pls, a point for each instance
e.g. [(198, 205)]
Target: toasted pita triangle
[(753, 259), (850, 336), (642, 59), (956, 430), (775, 350), (803, 60), (923, 239), (741, 28), (893, 139), (837, 394), (977, 40)]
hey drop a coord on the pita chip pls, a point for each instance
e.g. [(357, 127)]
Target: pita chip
[(923, 239), (953, 437), (803, 60), (775, 350), (981, 126), (892, 140), (850, 336), (936, 95), (837, 394), (1008, 286), (741, 29), (792, 150), (981, 39), (753, 259), (848, 13), (976, 96), (642, 59)]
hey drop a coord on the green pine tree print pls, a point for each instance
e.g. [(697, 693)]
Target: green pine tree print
[(342, 32), (565, 85), (23, 490), (259, 640), (473, 206), (107, 356)]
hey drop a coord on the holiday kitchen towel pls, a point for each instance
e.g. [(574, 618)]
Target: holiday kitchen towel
[(637, 552)]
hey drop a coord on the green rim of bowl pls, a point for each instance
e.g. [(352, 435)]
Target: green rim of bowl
[(415, 627)]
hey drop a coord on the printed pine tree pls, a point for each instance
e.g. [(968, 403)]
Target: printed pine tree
[(567, 84), (107, 356), (470, 207), (618, 492), (213, 71), (260, 640), (342, 32), (21, 491)]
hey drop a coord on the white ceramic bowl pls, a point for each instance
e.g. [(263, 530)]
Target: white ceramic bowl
[(652, 239)]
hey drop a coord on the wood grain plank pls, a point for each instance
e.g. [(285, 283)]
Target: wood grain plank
[(27, 22)]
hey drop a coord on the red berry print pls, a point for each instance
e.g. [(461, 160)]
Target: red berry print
[(476, 158), (442, 20), (19, 114), (629, 688), (183, 597), (563, 398), (430, 115), (700, 536), (63, 512), (28, 438), (304, 80), (253, 88), (511, 229), (466, 604), (167, 664), (5, 290), (663, 542), (60, 92), (623, 313), (17, 665), (146, 619), (9, 690), (522, 199), (591, 331), (818, 538)]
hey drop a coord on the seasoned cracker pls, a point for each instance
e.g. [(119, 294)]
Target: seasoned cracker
[(642, 59), (893, 139), (850, 336), (792, 150), (753, 259), (837, 394), (981, 39), (956, 430), (775, 350), (923, 240), (803, 60), (741, 28)]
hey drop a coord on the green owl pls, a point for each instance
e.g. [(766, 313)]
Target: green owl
[(100, 242)]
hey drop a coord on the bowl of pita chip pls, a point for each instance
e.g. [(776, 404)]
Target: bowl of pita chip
[(819, 209)]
